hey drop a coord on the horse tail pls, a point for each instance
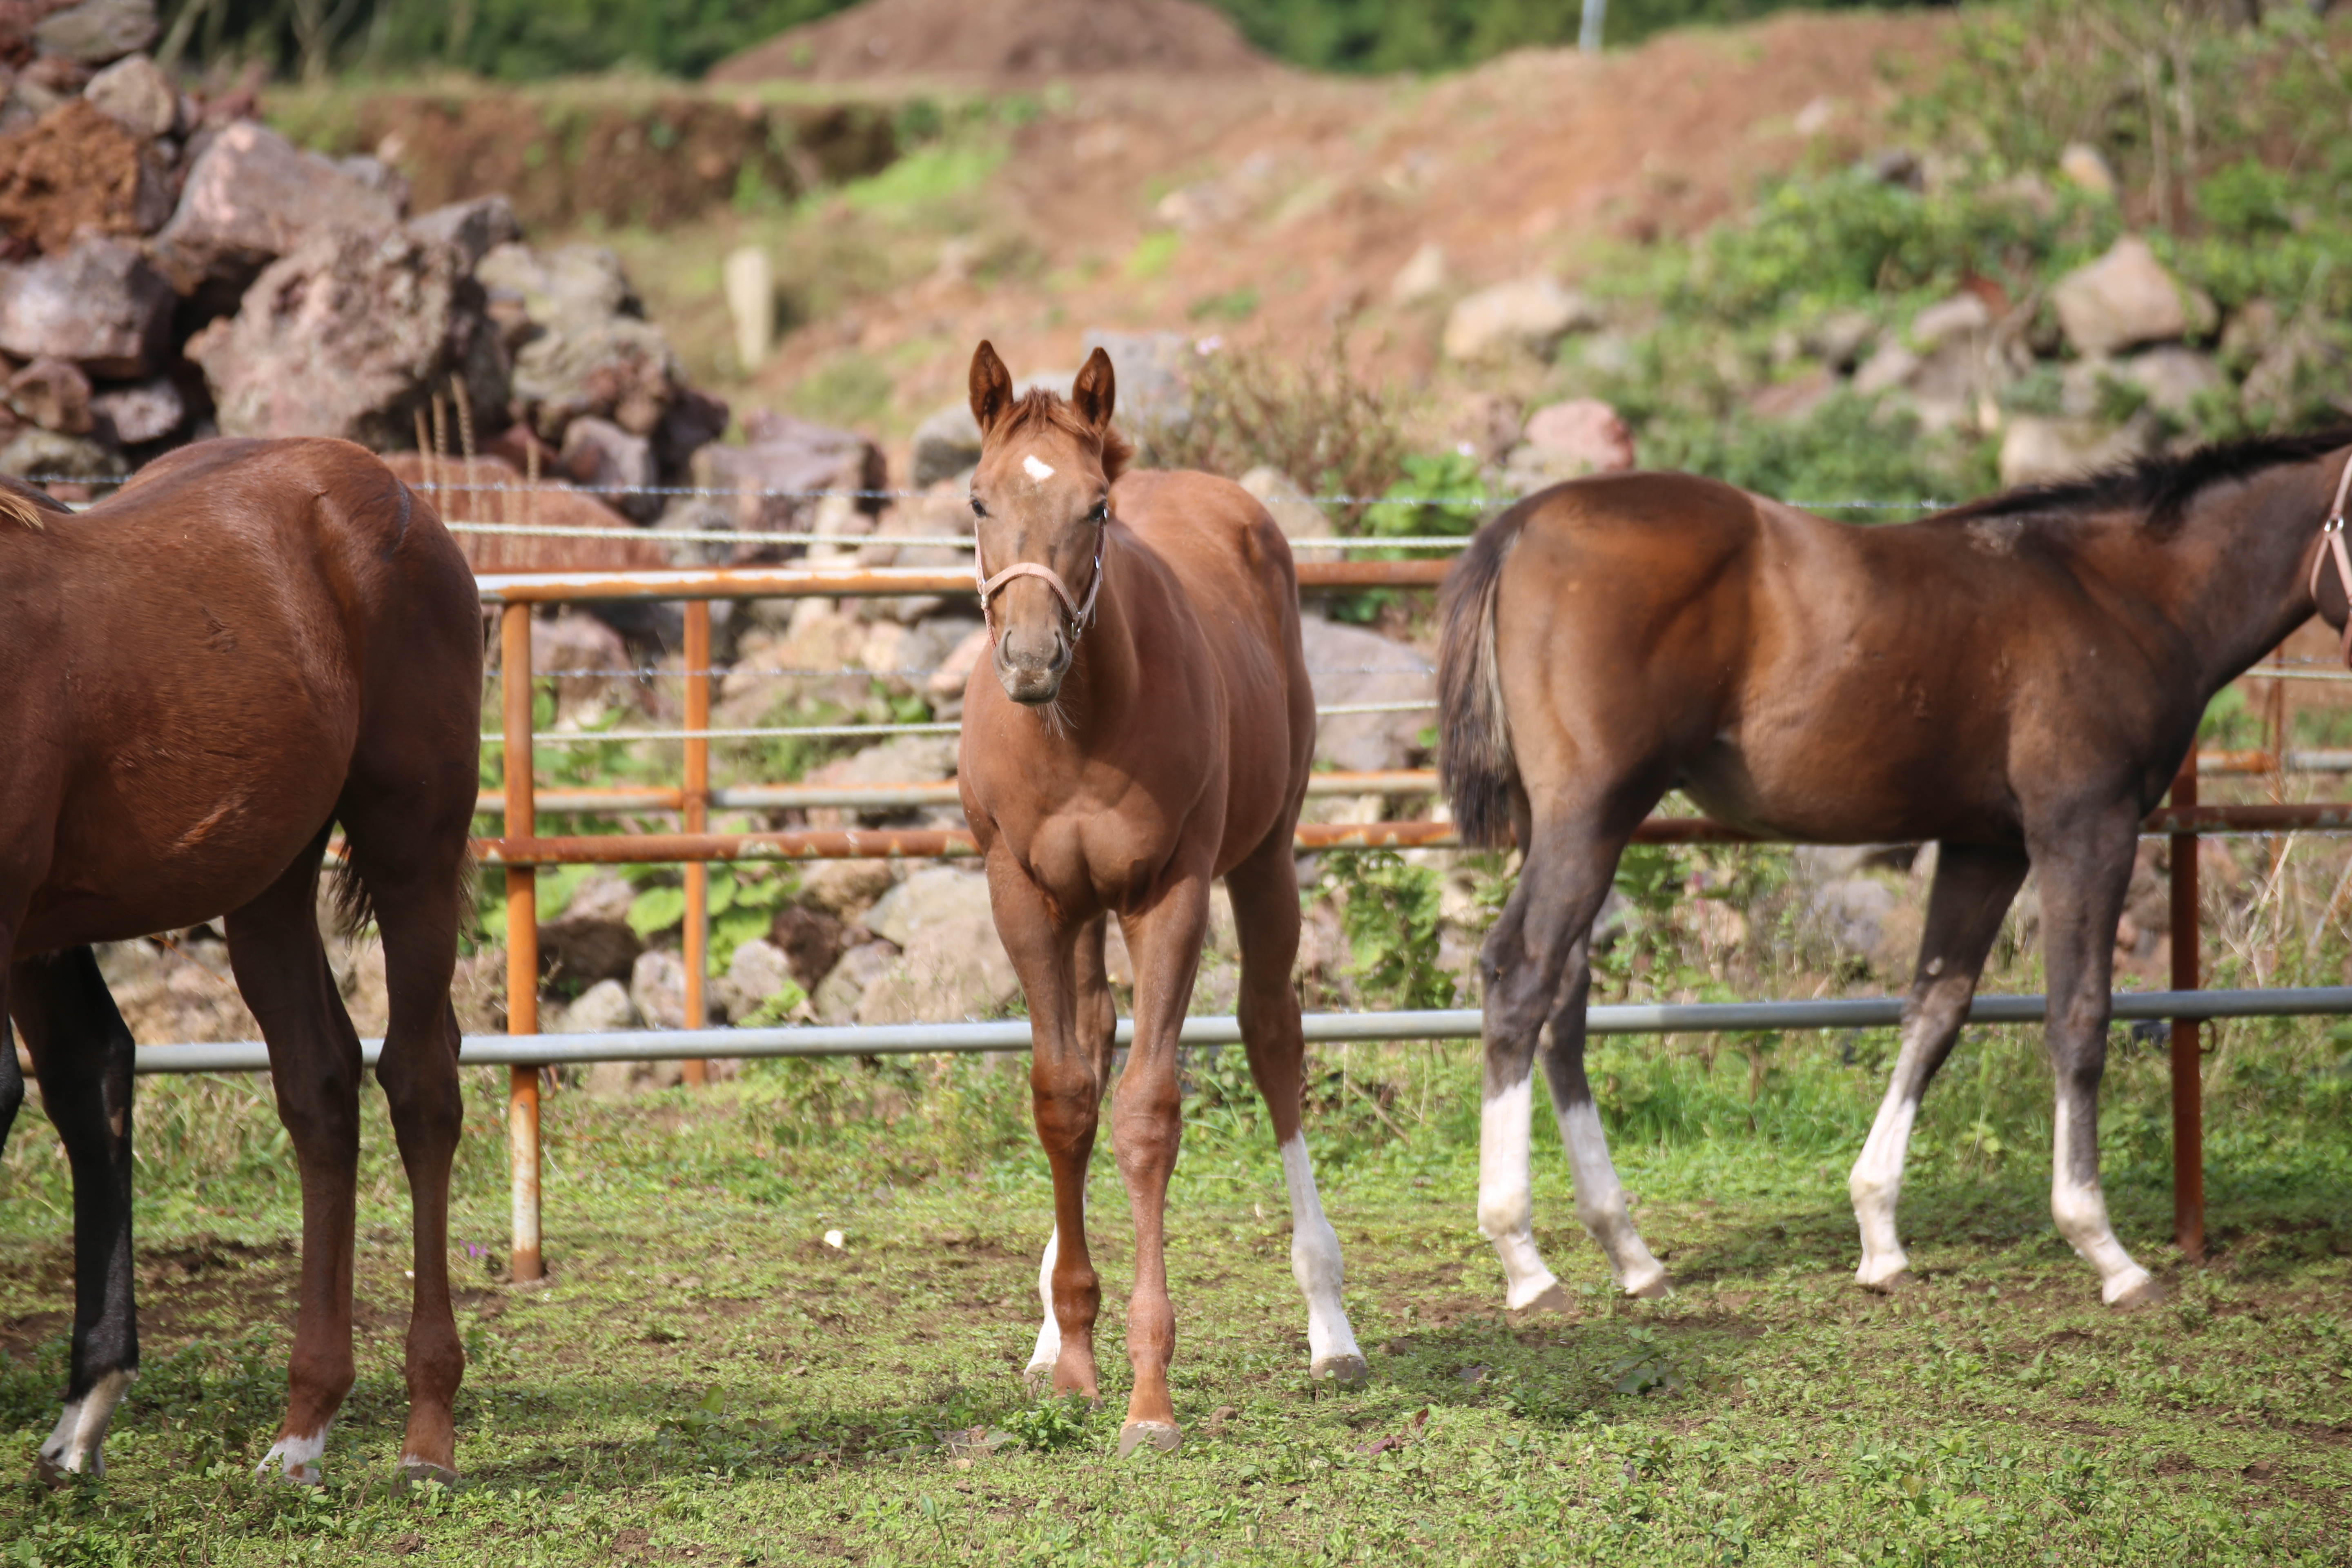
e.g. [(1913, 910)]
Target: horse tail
[(1475, 766)]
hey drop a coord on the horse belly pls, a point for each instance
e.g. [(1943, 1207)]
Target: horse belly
[(1870, 793)]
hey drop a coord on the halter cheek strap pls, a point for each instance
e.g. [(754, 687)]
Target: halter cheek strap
[(2331, 548), (1075, 617)]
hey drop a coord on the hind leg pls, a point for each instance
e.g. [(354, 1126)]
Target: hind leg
[(314, 1063), (83, 1053), (1536, 968), (411, 859), (1973, 886), (1265, 913)]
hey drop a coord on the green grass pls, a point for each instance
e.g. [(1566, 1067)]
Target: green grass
[(704, 1380)]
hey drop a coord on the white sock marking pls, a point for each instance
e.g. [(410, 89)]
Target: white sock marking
[(1506, 1206), (1049, 1333), (1876, 1183), (2081, 1211), (1601, 1200), (77, 1442), (297, 1456), (1315, 1261), (1035, 469)]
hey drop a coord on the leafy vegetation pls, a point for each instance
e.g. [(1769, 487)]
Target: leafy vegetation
[(518, 39)]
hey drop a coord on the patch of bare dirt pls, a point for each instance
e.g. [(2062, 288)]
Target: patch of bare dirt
[(77, 168), (1293, 201), (1000, 43)]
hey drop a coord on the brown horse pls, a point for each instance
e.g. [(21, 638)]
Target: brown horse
[(1144, 725), (254, 640), (2017, 679)]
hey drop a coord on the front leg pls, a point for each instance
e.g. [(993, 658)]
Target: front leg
[(1098, 1021), (1164, 939), (83, 1053), (2085, 869), (1065, 1094)]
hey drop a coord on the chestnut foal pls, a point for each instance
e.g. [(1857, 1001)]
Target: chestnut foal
[(2017, 679), (1143, 726), (253, 641)]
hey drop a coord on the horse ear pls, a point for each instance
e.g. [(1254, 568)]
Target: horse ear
[(1096, 391), (991, 386)]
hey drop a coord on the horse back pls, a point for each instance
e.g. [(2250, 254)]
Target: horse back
[(219, 647)]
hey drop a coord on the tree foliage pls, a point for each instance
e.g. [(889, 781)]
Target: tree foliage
[(525, 39)]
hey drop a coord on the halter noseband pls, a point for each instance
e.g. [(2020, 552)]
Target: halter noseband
[(2331, 548), (1075, 617)]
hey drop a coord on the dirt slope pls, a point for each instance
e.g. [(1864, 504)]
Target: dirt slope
[(1000, 42), (1277, 203)]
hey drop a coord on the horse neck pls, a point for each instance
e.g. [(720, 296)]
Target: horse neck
[(2245, 560)]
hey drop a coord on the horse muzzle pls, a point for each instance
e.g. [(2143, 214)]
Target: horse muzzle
[(1030, 665)]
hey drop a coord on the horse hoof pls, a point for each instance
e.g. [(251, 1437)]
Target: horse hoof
[(2147, 1293), (1161, 1435), (1656, 1290), (1901, 1279), (416, 1472), (1554, 1299), (1037, 1377), (51, 1474), (1344, 1371)]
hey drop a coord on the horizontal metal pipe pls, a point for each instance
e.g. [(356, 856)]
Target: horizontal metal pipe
[(1447, 1024), (856, 582), (884, 796)]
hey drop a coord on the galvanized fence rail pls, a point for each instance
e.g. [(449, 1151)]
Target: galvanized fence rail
[(521, 849)]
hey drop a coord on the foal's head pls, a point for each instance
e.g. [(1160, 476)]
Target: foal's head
[(1040, 496)]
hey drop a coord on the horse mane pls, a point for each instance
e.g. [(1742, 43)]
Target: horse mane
[(1043, 407), (27, 504), (2161, 487)]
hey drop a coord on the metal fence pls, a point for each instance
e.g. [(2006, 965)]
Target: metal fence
[(521, 849)]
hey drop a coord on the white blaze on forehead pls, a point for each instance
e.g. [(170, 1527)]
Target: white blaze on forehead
[(1035, 469)]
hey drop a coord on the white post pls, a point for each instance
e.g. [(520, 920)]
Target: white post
[(1588, 38)]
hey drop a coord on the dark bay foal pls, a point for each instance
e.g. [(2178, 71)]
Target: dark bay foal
[(1145, 725), (2018, 680), (252, 642)]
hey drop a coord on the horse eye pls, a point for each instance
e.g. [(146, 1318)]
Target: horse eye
[(978, 510), (1101, 512)]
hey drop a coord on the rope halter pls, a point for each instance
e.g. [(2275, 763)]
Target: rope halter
[(1075, 617), (2331, 548)]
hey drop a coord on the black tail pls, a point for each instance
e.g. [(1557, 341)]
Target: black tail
[(1474, 762)]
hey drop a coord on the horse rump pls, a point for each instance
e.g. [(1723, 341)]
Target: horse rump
[(1474, 764)]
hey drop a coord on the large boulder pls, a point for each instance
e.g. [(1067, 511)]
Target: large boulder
[(252, 196), (2125, 299), (97, 31), (135, 415), (790, 459), (75, 170), (1527, 316), (945, 445), (474, 228), (1292, 511), (591, 940), (756, 974), (618, 368), (599, 454), (950, 965), (33, 450), (351, 335), (2036, 449), (1350, 665), (1153, 373), (137, 94), (98, 303), (572, 283), (1568, 441), (589, 535), (54, 395)]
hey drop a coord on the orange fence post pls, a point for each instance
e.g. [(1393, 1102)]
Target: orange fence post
[(2188, 1079), (522, 938), (696, 809)]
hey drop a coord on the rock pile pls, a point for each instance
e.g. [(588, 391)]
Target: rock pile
[(171, 269)]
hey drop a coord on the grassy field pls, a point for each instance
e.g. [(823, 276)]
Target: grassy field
[(704, 1380)]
